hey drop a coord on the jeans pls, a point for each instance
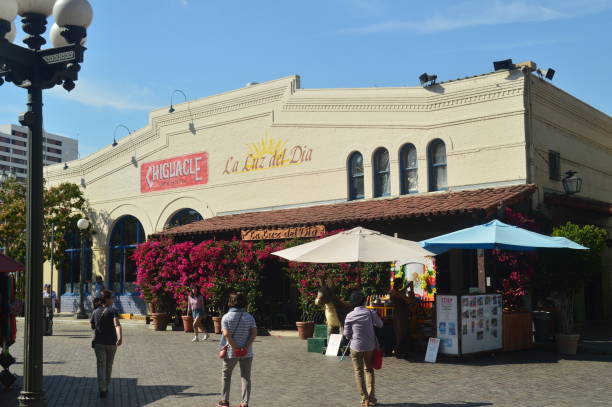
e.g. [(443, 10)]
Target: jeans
[(105, 355), (364, 374), (245, 373)]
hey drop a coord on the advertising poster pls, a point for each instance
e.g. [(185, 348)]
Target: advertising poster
[(481, 323), (447, 326)]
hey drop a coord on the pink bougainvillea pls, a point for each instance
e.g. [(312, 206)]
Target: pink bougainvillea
[(218, 267), (519, 265)]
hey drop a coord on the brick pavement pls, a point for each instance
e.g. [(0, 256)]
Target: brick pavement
[(166, 369)]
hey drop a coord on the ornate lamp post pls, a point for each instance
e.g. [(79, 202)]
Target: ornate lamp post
[(34, 69), (83, 225)]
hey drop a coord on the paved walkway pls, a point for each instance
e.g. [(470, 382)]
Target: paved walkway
[(166, 369)]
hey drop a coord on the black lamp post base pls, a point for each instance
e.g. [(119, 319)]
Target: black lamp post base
[(32, 399), (81, 315)]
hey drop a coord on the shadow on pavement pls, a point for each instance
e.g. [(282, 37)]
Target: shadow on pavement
[(514, 358), (461, 404), (64, 391)]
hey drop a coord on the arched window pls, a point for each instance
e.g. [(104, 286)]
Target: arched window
[(436, 156), (355, 176), (70, 271), (382, 171), (409, 169), (127, 234), (183, 217)]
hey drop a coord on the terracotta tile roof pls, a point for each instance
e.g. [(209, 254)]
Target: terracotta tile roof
[(575, 202), (485, 201)]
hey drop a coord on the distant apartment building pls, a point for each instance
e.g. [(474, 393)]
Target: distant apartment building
[(14, 149)]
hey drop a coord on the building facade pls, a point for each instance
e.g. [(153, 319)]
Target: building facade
[(14, 146), (274, 146)]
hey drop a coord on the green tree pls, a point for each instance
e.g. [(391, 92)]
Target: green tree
[(64, 205), (12, 218), (565, 272)]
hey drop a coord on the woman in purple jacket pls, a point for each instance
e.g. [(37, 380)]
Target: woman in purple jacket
[(359, 330)]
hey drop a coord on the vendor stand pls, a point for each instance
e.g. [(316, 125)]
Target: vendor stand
[(474, 323)]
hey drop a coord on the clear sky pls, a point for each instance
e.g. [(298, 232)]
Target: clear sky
[(141, 50)]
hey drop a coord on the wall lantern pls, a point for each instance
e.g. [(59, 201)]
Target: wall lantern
[(571, 183)]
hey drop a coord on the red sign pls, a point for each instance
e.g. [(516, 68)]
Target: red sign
[(177, 172)]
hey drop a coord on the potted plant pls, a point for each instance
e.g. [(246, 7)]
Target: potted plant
[(305, 327), (566, 272)]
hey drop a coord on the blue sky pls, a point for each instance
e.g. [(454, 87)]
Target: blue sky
[(140, 50)]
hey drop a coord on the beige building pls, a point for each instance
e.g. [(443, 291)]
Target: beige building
[(274, 146)]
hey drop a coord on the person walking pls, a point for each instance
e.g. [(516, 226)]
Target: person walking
[(239, 333), (98, 286), (401, 315), (359, 330), (195, 304), (107, 337), (49, 293)]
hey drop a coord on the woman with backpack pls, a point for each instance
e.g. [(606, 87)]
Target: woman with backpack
[(239, 333)]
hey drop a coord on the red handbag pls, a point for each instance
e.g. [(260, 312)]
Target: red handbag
[(377, 359), (379, 352), (239, 352)]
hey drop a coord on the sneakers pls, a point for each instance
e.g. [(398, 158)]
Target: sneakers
[(206, 336), (195, 339), (223, 403)]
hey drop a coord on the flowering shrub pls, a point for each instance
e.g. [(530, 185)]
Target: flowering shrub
[(151, 278), (167, 271), (517, 266)]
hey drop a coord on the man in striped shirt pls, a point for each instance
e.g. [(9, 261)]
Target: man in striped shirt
[(359, 329), (239, 332)]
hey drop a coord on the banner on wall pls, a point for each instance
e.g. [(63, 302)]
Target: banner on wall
[(177, 172)]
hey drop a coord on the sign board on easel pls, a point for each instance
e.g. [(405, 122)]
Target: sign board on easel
[(432, 350), (333, 345)]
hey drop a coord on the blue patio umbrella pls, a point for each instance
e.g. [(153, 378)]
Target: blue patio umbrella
[(497, 235)]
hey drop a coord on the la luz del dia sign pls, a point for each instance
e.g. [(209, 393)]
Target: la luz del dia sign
[(177, 172), (267, 154)]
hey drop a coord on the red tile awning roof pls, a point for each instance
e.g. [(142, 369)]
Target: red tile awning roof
[(484, 201), (8, 265), (574, 202)]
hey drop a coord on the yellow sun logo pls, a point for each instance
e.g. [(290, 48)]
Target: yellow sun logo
[(268, 146)]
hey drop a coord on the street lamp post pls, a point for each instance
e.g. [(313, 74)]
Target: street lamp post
[(83, 225), (34, 69)]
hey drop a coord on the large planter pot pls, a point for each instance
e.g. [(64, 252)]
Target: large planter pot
[(150, 308), (517, 330), (187, 323), (159, 321), (305, 329), (217, 324), (567, 344)]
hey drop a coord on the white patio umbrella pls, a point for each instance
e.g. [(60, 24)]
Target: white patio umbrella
[(356, 245)]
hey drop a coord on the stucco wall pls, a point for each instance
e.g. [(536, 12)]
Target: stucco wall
[(480, 119)]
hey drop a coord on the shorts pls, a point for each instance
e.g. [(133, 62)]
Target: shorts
[(198, 313)]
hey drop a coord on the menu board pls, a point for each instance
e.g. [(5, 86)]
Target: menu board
[(481, 323), (447, 326)]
